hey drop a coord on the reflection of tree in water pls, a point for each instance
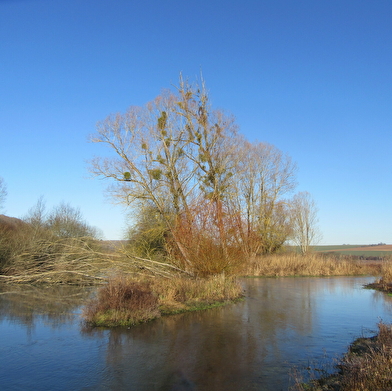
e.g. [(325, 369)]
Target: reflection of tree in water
[(24, 304)]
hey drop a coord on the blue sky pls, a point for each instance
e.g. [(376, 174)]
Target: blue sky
[(312, 77)]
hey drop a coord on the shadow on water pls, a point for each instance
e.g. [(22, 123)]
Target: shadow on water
[(251, 345)]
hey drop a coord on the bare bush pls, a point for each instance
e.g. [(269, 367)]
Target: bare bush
[(212, 239), (122, 302)]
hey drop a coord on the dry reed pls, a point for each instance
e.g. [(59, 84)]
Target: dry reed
[(386, 272), (313, 264), (384, 283)]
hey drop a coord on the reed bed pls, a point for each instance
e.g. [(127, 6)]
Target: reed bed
[(313, 264), (386, 272), (127, 301)]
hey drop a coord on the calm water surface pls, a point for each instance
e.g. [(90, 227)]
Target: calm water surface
[(251, 345)]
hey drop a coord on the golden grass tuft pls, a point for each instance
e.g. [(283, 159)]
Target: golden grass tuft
[(183, 293), (386, 272)]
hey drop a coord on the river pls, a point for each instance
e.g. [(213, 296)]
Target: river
[(252, 345)]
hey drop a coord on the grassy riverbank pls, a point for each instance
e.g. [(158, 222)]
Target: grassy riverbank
[(126, 301), (367, 366)]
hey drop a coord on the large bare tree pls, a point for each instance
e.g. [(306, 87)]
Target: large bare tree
[(265, 176), (170, 153), (181, 158)]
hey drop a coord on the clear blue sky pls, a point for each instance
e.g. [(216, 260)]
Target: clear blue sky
[(312, 77)]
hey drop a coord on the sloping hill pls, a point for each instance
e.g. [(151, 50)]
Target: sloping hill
[(10, 223)]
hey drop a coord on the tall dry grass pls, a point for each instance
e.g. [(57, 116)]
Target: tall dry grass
[(386, 272), (313, 264), (126, 301), (384, 284), (181, 294)]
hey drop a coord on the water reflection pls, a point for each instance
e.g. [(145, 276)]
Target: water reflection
[(247, 346), (25, 304)]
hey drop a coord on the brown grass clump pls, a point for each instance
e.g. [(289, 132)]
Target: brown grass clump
[(127, 301), (122, 302), (293, 264)]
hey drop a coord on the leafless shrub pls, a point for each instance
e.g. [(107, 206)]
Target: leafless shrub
[(211, 237), (122, 302)]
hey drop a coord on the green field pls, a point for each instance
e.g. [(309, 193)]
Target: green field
[(336, 247), (357, 250)]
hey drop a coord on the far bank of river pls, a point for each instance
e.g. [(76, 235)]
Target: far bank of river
[(251, 345)]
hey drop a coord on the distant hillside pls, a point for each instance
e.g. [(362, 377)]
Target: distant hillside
[(10, 223), (354, 247)]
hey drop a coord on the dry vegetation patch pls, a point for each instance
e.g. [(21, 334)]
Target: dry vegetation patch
[(122, 302), (126, 301), (312, 264), (384, 284)]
